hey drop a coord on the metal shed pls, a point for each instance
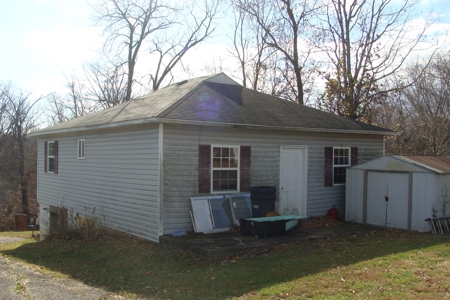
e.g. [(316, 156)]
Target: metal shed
[(399, 191)]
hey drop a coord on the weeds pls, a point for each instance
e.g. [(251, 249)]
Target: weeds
[(66, 225)]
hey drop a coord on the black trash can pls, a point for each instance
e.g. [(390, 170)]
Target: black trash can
[(263, 200)]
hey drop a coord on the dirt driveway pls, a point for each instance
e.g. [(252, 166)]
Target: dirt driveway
[(18, 281)]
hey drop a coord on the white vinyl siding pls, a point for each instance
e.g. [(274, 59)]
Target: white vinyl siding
[(119, 179), (181, 165)]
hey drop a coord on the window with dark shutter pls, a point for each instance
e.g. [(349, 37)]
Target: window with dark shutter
[(337, 160), (221, 166)]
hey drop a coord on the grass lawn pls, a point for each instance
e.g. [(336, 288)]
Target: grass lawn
[(383, 264)]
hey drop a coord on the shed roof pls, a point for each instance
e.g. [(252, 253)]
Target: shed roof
[(215, 100), (436, 164)]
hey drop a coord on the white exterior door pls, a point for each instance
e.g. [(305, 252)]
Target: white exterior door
[(392, 213), (293, 176)]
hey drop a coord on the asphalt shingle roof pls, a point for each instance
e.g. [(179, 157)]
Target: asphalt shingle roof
[(215, 100)]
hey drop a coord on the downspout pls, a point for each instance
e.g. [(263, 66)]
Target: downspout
[(160, 178)]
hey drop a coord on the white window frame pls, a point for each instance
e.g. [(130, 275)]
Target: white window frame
[(237, 169), (81, 149), (50, 156), (349, 159)]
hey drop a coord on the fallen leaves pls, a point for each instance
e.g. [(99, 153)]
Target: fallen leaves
[(324, 221)]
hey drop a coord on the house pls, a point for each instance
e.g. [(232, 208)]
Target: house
[(138, 164), (399, 191)]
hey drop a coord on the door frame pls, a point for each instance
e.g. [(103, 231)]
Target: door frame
[(303, 195)]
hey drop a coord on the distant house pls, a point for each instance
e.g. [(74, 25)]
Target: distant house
[(138, 164), (399, 191)]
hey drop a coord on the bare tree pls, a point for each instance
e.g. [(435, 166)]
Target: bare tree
[(366, 42), (105, 85), (192, 25), (427, 108), (18, 118), (72, 105), (285, 25), (250, 49), (154, 26), (128, 23)]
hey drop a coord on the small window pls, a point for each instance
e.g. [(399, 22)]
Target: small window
[(81, 144), (225, 168), (341, 160), (51, 156)]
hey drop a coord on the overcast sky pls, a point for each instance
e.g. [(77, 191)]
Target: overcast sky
[(45, 41)]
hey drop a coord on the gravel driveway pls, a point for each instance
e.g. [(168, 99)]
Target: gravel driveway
[(18, 281)]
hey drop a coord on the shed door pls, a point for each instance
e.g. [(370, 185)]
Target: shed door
[(293, 174), (394, 212)]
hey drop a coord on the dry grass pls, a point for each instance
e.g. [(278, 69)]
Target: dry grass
[(385, 264)]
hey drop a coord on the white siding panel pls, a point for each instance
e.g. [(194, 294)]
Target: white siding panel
[(181, 165), (119, 179), (425, 192), (354, 196)]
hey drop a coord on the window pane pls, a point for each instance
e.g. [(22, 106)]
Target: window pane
[(224, 180), (224, 175), (225, 162), (339, 175), (225, 152), (216, 152), (51, 164), (216, 185), (216, 163), (233, 185), (341, 157), (51, 149)]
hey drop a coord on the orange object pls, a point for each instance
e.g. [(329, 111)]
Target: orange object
[(333, 212), (272, 213)]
